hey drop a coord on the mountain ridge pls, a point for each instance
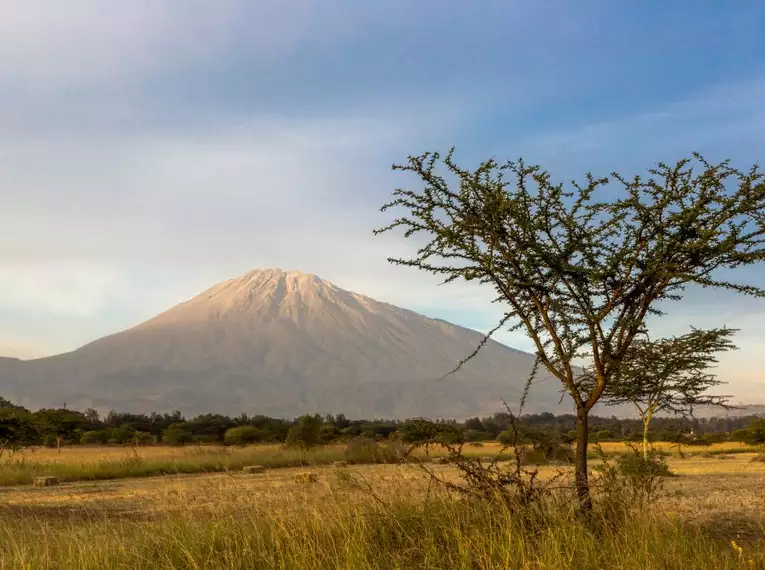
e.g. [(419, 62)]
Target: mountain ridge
[(284, 343)]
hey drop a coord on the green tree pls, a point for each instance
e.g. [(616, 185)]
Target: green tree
[(424, 432), (94, 437), (305, 433), (177, 434), (57, 425), (579, 269), (16, 427), (669, 375), (242, 435), (756, 432)]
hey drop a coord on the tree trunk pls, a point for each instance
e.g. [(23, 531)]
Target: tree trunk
[(582, 441), (646, 420), (645, 439)]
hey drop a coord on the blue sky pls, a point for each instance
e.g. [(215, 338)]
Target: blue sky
[(149, 149)]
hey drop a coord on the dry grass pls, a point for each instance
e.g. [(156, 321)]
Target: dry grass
[(83, 463), (270, 521)]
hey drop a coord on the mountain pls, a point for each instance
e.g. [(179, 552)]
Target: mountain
[(283, 344)]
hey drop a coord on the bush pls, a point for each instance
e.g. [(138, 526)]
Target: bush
[(94, 437), (756, 432), (631, 480), (473, 435), (603, 435), (506, 437), (715, 437), (546, 454), (177, 434), (142, 437), (635, 465), (305, 433), (741, 435), (242, 435)]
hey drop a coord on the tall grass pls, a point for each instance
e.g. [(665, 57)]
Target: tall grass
[(93, 463), (20, 470), (392, 533)]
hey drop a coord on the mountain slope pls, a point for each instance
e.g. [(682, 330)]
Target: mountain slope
[(283, 343)]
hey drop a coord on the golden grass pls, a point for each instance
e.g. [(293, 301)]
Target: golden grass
[(270, 521), (99, 453), (91, 463)]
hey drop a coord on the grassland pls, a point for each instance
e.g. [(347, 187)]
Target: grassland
[(96, 463), (711, 516)]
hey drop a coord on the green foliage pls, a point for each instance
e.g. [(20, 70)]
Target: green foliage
[(603, 435), (741, 435), (94, 437), (579, 269), (473, 435), (242, 435), (17, 427), (756, 432), (58, 425), (506, 437), (631, 479), (714, 437), (305, 433), (142, 438), (177, 434), (670, 374), (424, 432)]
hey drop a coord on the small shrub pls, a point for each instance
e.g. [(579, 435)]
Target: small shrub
[(305, 433), (94, 437), (177, 434), (242, 435), (630, 480)]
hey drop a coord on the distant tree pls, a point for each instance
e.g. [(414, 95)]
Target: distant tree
[(669, 375), (756, 432), (580, 269), (57, 425), (305, 433), (94, 437), (17, 427), (425, 432), (178, 433), (242, 435), (476, 435), (603, 435), (122, 434), (92, 417), (211, 427)]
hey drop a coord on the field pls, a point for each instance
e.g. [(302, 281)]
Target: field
[(712, 515), (83, 463)]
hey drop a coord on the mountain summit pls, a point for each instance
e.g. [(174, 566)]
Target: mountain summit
[(283, 343)]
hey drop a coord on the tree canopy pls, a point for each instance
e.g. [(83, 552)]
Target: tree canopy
[(579, 268)]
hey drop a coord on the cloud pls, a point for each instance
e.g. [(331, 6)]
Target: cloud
[(150, 149), (116, 227)]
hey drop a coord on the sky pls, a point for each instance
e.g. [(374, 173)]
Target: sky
[(150, 149)]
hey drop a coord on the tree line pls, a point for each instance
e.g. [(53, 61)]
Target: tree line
[(56, 427)]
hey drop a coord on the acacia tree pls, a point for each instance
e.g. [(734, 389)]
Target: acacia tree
[(580, 269), (670, 375)]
